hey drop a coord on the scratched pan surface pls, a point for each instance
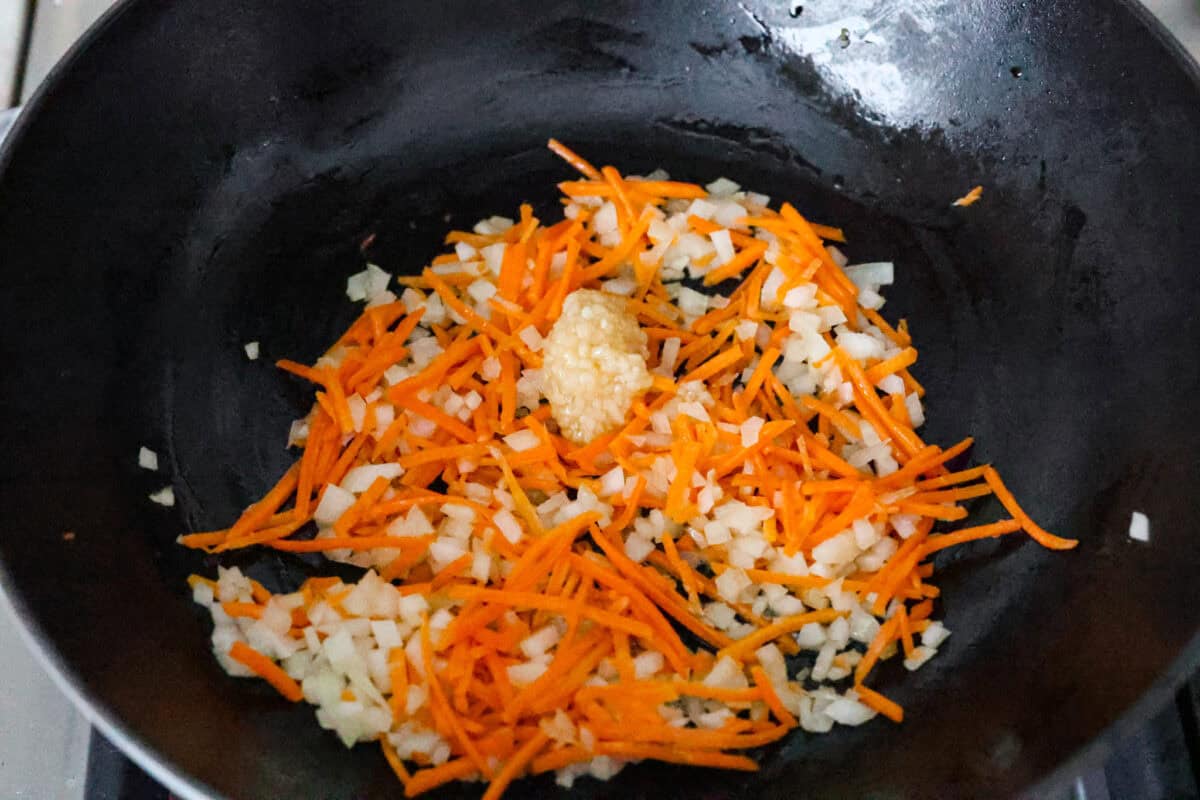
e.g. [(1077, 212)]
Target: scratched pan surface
[(199, 175)]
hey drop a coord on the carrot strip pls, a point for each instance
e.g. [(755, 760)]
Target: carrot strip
[(440, 418), (393, 759), (258, 513), (438, 701), (874, 700), (427, 779), (736, 265), (884, 637), (531, 600), (902, 360), (781, 627), (266, 669), (353, 543), (574, 159), (515, 765), (771, 697), (715, 365), (1035, 531)]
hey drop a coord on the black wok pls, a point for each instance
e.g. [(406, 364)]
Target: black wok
[(199, 175)]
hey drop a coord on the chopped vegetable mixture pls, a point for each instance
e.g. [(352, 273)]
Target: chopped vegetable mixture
[(606, 477)]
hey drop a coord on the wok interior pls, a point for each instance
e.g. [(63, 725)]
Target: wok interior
[(216, 192)]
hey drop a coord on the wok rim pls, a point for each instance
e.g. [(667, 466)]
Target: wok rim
[(188, 787)]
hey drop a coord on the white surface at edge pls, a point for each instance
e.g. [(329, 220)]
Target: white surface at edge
[(83, 715), (44, 746), (47, 759)]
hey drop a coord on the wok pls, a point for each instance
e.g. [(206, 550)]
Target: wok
[(200, 175)]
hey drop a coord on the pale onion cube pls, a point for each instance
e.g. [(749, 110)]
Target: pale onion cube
[(790, 565), (372, 282), (522, 440), (620, 286), (359, 479), (722, 187), (811, 636), (481, 290), (865, 534), (493, 225), (1139, 527), (481, 567), (788, 605), (525, 673), (702, 209), (731, 583), (638, 548), (916, 413), (717, 533), (605, 221), (920, 655), (415, 523), (726, 674), (669, 355), (729, 213), (251, 349), (148, 459), (538, 643), (489, 370), (838, 549), (860, 346), (830, 316), (720, 615), (444, 550), (869, 298), (694, 410), (803, 323), (493, 256), (358, 411), (660, 232), (692, 303), (934, 635), (415, 698), (801, 297), (164, 497), (508, 526), (724, 247), (386, 633), (891, 384), (771, 286), (394, 374), (647, 665), (356, 287), (412, 300), (847, 711), (612, 481), (872, 274), (530, 337)]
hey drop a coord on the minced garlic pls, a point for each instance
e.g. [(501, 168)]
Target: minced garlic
[(593, 364)]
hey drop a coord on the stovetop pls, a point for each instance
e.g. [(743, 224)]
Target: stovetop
[(49, 752)]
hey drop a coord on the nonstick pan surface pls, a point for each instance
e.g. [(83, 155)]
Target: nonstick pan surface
[(200, 175)]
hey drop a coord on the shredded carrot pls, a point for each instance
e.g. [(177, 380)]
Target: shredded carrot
[(970, 198), (878, 702), (762, 468), (776, 629), (266, 669)]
